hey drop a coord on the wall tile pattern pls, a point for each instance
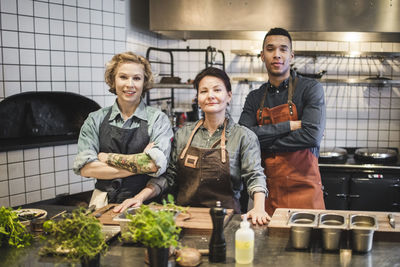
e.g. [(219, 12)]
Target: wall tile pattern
[(48, 45)]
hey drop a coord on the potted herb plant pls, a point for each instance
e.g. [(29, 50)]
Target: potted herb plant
[(12, 232), (77, 236), (155, 228)]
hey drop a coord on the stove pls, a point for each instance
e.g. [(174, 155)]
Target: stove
[(360, 158), (361, 178)]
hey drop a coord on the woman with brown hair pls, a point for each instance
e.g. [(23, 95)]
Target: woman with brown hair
[(212, 158), (127, 128)]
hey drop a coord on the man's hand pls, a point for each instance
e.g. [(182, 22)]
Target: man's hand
[(295, 125)]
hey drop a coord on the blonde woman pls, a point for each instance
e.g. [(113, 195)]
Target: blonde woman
[(128, 127)]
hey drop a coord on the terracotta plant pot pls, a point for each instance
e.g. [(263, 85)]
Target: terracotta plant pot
[(158, 257)]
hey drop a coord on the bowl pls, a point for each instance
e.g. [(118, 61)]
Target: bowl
[(301, 224), (363, 228), (32, 219), (332, 226)]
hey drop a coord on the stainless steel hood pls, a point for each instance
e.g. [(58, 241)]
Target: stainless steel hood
[(371, 20)]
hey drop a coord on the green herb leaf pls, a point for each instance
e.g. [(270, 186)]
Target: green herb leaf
[(155, 227), (76, 235), (12, 231)]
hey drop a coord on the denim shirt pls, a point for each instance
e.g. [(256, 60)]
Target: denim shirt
[(159, 130), (243, 150)]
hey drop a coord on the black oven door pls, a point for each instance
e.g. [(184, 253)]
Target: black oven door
[(369, 193), (336, 189)]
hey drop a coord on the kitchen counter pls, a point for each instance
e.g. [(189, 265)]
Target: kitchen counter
[(270, 250)]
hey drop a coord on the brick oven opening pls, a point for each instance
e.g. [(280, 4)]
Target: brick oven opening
[(37, 119)]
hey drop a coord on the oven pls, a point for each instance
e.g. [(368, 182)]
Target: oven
[(361, 179)]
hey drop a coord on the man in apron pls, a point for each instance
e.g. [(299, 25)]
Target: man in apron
[(288, 115)]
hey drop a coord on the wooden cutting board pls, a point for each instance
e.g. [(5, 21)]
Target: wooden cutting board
[(106, 218), (280, 218), (195, 221), (198, 220)]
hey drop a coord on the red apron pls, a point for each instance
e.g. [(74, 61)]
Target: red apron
[(293, 178)]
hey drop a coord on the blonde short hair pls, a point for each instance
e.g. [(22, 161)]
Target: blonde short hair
[(127, 57)]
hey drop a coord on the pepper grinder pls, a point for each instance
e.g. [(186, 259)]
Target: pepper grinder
[(217, 246)]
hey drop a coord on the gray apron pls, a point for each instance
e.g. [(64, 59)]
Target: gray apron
[(122, 141), (204, 175)]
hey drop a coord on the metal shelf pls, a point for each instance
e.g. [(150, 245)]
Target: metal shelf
[(309, 53), (326, 80), (173, 85), (246, 53), (361, 81)]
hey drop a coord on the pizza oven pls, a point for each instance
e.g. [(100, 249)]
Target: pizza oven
[(35, 119), (361, 178)]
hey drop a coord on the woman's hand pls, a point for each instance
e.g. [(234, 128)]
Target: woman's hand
[(146, 193), (258, 216), (102, 157), (130, 202)]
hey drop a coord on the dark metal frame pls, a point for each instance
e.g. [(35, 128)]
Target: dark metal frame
[(210, 54)]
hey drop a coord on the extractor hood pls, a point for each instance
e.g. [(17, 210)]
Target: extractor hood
[(329, 20)]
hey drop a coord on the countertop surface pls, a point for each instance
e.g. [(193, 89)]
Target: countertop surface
[(270, 250)]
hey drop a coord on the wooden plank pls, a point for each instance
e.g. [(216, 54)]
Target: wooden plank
[(198, 220), (107, 217), (280, 218), (195, 221)]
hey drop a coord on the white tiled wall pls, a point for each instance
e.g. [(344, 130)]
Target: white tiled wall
[(62, 45), (54, 45)]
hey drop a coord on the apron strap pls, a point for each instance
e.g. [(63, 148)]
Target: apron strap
[(223, 143), (199, 123), (292, 87), (262, 104)]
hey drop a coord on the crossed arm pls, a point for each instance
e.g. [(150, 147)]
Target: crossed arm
[(289, 135), (111, 166)]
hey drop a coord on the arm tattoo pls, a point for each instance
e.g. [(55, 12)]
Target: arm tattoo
[(136, 163)]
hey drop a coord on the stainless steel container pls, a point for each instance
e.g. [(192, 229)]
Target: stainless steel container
[(363, 228), (301, 225), (332, 226)]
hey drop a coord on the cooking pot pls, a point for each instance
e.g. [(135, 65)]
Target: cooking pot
[(333, 155), (376, 155)]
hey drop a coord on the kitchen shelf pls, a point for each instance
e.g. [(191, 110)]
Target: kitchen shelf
[(309, 53), (173, 85), (210, 60), (361, 81), (246, 53)]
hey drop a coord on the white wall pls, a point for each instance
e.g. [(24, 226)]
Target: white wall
[(56, 45)]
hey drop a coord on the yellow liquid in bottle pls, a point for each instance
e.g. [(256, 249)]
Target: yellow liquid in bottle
[(244, 251)]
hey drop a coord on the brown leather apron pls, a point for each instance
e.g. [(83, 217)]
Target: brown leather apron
[(203, 175), (293, 178)]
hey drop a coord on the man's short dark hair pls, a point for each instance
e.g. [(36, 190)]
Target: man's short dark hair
[(278, 31)]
